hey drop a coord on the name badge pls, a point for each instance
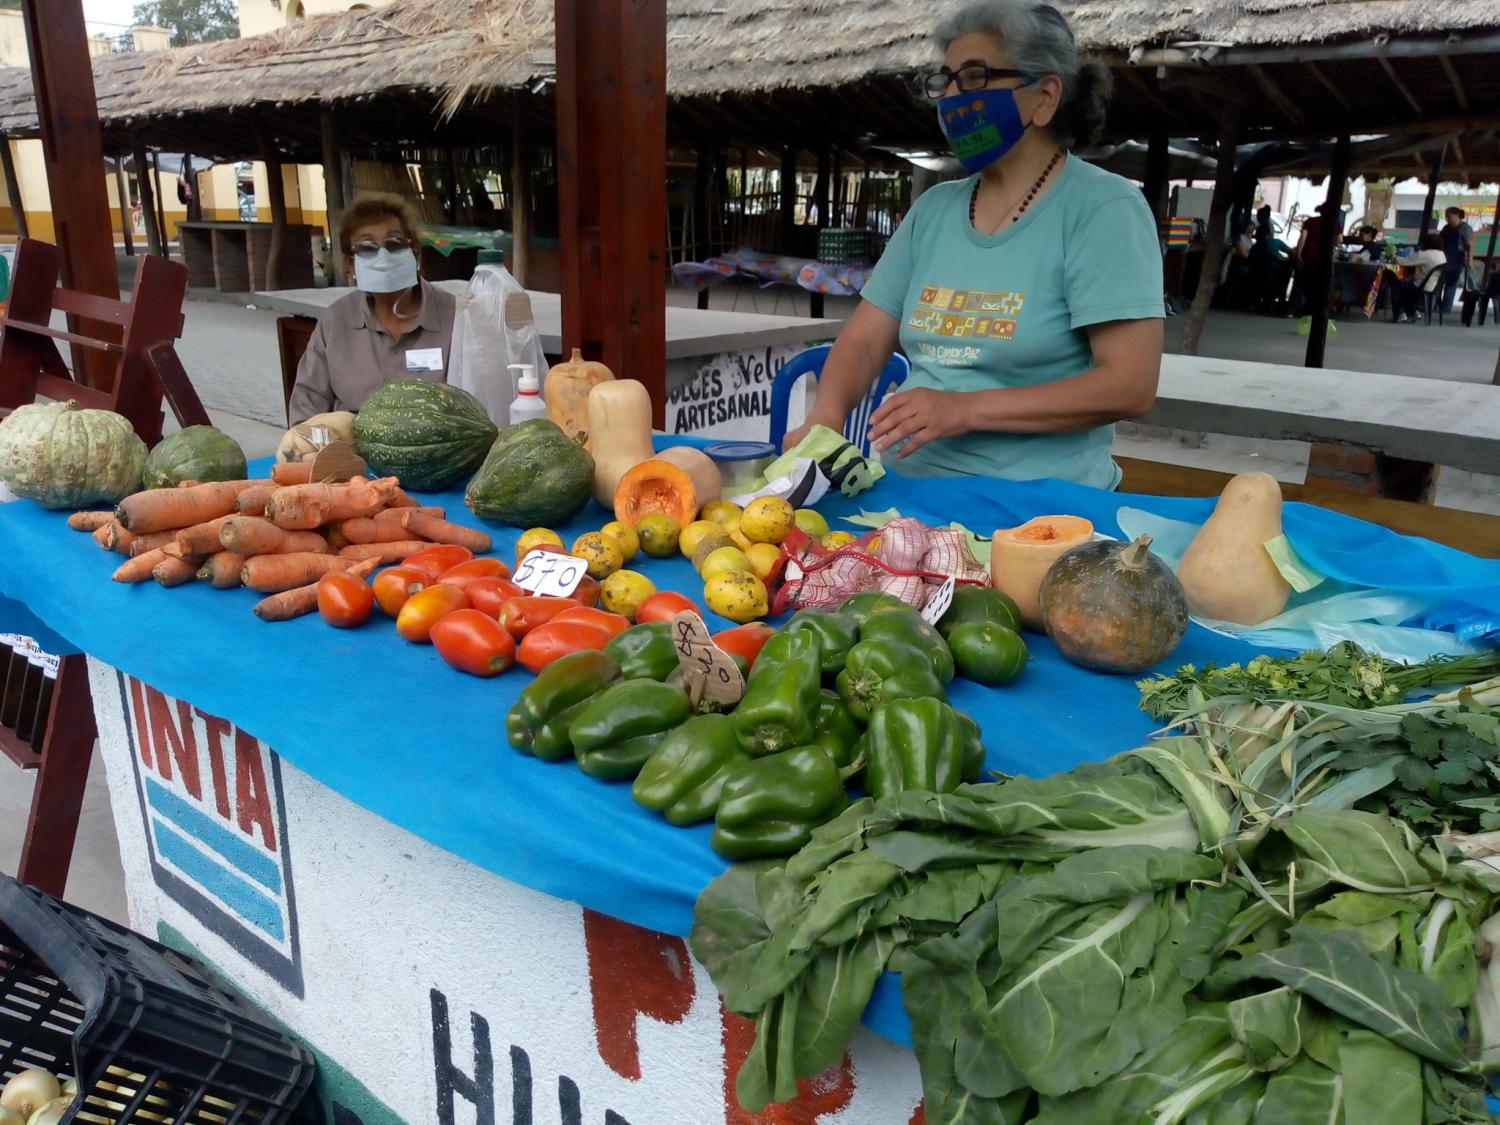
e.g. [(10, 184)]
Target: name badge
[(424, 359)]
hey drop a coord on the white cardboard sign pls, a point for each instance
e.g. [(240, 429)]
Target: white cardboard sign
[(550, 574)]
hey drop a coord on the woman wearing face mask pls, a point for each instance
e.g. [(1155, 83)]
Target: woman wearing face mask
[(1027, 296), (394, 326)]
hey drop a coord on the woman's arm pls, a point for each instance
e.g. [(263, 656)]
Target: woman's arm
[(313, 392), (863, 347), (1121, 384)]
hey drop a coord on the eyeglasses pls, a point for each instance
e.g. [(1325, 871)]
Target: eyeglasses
[(970, 77), (369, 247)]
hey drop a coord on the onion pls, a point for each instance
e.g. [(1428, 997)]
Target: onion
[(11, 1117), (51, 1113), (28, 1091), (908, 587)]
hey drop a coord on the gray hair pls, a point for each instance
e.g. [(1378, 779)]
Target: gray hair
[(1040, 42)]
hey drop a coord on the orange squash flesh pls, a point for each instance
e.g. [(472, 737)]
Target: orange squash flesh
[(656, 486), (1021, 556)]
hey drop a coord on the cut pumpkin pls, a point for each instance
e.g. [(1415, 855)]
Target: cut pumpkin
[(708, 481), (656, 486), (1021, 556)]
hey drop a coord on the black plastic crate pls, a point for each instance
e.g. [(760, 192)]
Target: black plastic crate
[(148, 1033)]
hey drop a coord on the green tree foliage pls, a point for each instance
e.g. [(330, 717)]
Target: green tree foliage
[(191, 21)]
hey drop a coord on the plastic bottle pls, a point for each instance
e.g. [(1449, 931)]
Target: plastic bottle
[(528, 402)]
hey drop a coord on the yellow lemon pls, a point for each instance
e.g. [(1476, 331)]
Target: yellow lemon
[(812, 523), (535, 536), (625, 536), (763, 556), (767, 519), (624, 591), (694, 533), (658, 534), (601, 552), (836, 539), (719, 510), (739, 540), (737, 595), (722, 559)]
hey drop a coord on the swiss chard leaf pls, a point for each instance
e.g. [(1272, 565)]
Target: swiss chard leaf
[(1303, 1091), (1270, 1026), (1382, 1082)]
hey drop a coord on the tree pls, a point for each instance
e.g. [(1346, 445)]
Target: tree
[(10, 4), (191, 21)]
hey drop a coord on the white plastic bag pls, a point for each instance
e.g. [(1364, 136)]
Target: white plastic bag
[(483, 346)]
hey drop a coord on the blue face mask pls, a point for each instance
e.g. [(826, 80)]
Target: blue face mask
[(981, 127)]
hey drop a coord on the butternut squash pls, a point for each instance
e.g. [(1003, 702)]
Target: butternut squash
[(653, 486), (1021, 556), (566, 393), (1226, 572), (708, 481), (620, 429)]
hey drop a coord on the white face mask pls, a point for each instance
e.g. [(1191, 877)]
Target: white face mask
[(384, 272)]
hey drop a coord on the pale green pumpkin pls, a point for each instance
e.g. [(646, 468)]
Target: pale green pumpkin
[(63, 456)]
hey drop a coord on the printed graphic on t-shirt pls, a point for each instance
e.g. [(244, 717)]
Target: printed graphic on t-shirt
[(972, 313)]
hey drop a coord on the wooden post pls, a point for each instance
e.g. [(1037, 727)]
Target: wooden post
[(836, 209), (276, 189), (1158, 180), (1317, 339), (1433, 176), (147, 195), (161, 208), (450, 205), (195, 197), (13, 187), (333, 190), (1218, 213), (821, 192), (612, 184), (1489, 255), (701, 248), (122, 189), (788, 200), (520, 194)]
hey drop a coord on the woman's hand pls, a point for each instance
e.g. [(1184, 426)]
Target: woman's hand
[(919, 416)]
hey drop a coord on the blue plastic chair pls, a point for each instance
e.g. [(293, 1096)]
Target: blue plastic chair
[(810, 362)]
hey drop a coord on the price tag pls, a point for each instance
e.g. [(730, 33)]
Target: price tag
[(711, 673), (938, 603), (50, 665), (549, 574), (337, 461)]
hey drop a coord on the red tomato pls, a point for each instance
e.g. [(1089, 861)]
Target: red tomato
[(612, 623), (556, 639), (474, 643), (344, 600), (393, 585), (473, 570), (425, 609), (521, 615), (745, 641), (587, 592), (664, 606), (436, 560), (488, 594)]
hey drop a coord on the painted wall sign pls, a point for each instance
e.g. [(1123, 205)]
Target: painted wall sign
[(728, 395)]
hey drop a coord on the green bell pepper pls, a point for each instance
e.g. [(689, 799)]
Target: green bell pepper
[(859, 606), (883, 669), (706, 706), (973, 748), (834, 729), (781, 698), (916, 744), (769, 806), (537, 722), (979, 603), (836, 633), (645, 651), (619, 728), (684, 777), (906, 624), (987, 652)]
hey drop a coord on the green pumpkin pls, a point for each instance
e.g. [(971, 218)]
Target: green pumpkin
[(200, 453), (63, 456), (430, 435), (534, 476)]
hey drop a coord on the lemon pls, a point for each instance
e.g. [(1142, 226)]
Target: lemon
[(707, 546), (725, 558), (738, 538), (658, 534), (811, 523), (624, 591), (719, 510), (763, 556), (836, 539), (694, 533), (601, 552), (625, 536), (534, 536), (737, 595), (767, 520)]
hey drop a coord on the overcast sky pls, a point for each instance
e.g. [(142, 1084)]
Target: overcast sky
[(113, 12)]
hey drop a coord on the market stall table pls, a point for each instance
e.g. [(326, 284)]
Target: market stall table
[(334, 821)]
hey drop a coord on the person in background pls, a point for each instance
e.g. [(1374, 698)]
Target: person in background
[(1270, 264), (1430, 257), (1369, 241), (1308, 256), (395, 325), (1458, 244), (1239, 273)]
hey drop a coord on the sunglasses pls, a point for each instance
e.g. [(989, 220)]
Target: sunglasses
[(369, 247)]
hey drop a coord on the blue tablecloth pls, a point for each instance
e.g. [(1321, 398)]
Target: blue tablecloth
[(389, 726)]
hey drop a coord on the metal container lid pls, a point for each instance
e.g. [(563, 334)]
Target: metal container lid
[(740, 450)]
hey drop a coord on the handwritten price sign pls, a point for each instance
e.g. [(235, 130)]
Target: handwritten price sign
[(938, 604), (710, 671), (549, 574)]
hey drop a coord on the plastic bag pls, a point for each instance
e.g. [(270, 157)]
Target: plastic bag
[(483, 346), (903, 558), (824, 459)]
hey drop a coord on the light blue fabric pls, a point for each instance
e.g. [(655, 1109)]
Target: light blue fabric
[(437, 764), (1011, 309)]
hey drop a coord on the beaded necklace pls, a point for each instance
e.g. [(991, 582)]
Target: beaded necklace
[(1026, 201)]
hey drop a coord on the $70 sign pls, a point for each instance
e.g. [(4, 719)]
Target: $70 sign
[(549, 574)]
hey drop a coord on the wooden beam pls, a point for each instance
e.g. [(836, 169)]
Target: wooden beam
[(1390, 72), (1334, 90), (520, 192), (1458, 155), (788, 200), (276, 190), (333, 189), (13, 187), (1317, 338), (122, 192), (1137, 82), (1213, 248), (1455, 81), (1434, 174), (1158, 168), (1273, 91), (161, 207), (146, 193)]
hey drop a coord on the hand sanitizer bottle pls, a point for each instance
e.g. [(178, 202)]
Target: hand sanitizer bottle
[(528, 402)]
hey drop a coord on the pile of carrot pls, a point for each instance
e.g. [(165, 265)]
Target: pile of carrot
[(276, 536)]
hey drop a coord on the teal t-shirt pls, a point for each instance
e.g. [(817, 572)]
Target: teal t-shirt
[(1010, 309)]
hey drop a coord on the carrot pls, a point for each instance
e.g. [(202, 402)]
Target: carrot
[(203, 538), (221, 570), (384, 552), (397, 513), (303, 506), (252, 502), (301, 600), (367, 529), (140, 544), (271, 574), (139, 568), (176, 572), (101, 535), (89, 521), (250, 535), (116, 538), (171, 509), (292, 472), (443, 531), (400, 499)]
